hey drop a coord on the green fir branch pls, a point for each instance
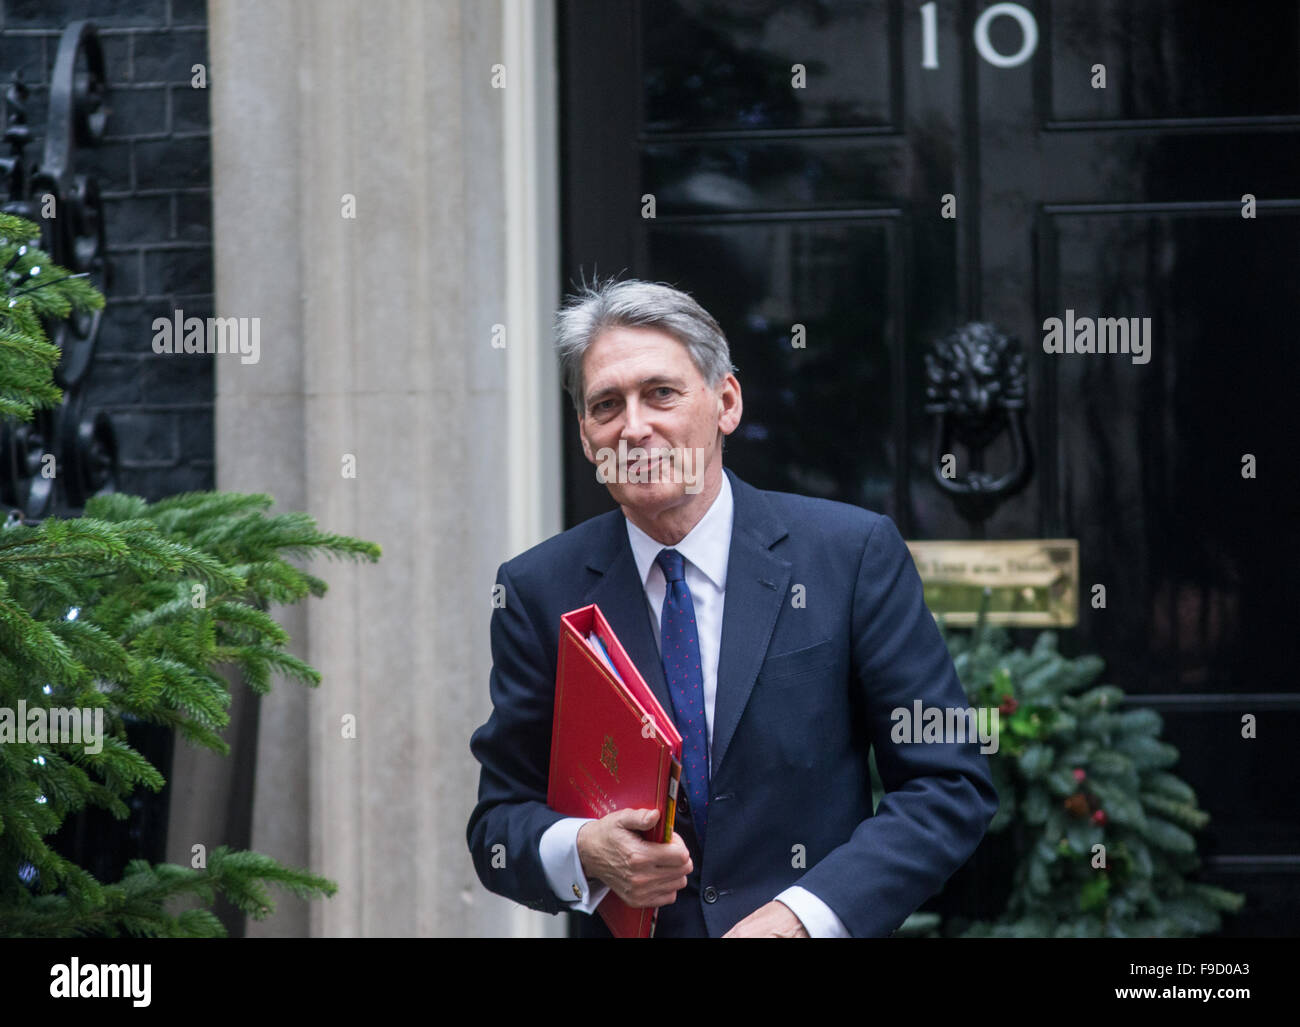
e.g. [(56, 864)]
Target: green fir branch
[(135, 609)]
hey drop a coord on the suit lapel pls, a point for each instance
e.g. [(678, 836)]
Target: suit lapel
[(620, 595), (757, 582)]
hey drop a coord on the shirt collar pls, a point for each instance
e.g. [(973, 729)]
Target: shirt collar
[(707, 545)]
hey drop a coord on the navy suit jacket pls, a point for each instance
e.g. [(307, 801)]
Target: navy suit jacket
[(807, 680)]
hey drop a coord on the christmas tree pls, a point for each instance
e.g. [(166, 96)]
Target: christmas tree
[(1104, 830), (126, 612)]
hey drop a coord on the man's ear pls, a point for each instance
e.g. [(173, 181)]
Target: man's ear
[(730, 405)]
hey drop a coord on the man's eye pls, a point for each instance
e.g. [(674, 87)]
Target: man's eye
[(663, 391), (602, 405)]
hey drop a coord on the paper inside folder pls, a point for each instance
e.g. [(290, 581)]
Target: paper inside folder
[(594, 641)]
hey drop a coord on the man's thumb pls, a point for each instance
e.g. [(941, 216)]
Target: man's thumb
[(640, 819)]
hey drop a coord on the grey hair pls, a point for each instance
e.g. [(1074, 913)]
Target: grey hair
[(633, 303)]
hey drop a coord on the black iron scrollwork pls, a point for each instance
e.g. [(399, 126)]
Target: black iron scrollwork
[(976, 390), (67, 206)]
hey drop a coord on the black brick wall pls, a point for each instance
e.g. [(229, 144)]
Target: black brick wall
[(155, 172)]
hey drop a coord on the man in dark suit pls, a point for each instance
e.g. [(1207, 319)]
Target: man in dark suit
[(783, 634)]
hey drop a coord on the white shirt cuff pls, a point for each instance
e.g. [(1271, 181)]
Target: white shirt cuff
[(558, 850), (818, 919)]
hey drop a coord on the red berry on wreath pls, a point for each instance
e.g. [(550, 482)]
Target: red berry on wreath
[(1099, 816), (1079, 773)]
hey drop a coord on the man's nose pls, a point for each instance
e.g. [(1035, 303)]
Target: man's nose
[(635, 426)]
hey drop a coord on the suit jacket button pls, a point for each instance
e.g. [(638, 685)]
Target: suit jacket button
[(682, 804), (710, 894)]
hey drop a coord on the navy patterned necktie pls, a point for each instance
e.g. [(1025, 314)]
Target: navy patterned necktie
[(681, 660)]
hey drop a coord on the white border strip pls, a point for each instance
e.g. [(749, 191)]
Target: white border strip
[(531, 180)]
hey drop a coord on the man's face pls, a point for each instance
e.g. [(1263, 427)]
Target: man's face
[(641, 388)]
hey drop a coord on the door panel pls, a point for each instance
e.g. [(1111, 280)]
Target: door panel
[(1200, 564)]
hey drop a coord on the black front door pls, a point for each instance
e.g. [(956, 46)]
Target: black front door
[(843, 182)]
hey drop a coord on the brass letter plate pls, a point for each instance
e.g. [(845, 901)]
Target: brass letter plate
[(1034, 582)]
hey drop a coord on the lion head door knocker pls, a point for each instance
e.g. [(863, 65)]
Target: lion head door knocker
[(975, 390)]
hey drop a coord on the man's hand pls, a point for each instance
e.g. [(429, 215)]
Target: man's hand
[(643, 874), (775, 920)]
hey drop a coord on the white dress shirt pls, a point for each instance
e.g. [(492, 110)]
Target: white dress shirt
[(705, 550)]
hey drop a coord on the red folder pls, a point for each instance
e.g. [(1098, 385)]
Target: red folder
[(612, 746)]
